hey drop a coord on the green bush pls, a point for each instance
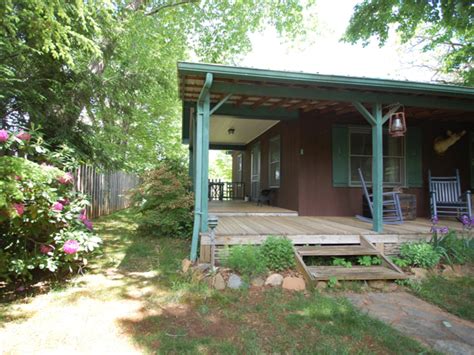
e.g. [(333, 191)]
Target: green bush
[(165, 201), (278, 253), (454, 249), (341, 262), (420, 254), (246, 259), (43, 225), (367, 260)]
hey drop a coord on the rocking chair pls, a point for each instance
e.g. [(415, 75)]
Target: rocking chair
[(446, 198), (391, 212)]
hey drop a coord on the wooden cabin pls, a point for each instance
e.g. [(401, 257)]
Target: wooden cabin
[(303, 136)]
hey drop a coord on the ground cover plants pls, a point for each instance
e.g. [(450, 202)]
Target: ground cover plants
[(146, 305)]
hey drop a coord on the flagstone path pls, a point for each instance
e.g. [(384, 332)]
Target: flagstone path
[(414, 317)]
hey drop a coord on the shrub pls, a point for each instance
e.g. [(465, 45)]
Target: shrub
[(454, 249), (42, 220), (165, 201), (367, 260), (420, 254), (278, 253), (341, 262), (246, 259)]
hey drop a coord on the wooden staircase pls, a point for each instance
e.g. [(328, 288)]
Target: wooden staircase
[(386, 271)]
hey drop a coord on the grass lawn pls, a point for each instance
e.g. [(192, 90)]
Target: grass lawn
[(135, 300), (456, 294)]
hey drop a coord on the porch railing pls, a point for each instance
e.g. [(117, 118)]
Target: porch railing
[(226, 190)]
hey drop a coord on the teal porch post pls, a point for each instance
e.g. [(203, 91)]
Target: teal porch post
[(377, 168), (201, 151), (376, 120)]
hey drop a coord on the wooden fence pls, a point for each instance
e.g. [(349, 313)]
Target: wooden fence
[(107, 191)]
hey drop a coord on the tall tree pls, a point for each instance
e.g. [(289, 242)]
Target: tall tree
[(443, 26), (101, 76)]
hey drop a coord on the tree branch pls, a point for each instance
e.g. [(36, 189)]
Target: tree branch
[(162, 7)]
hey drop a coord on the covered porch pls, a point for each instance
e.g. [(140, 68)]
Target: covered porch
[(228, 108)]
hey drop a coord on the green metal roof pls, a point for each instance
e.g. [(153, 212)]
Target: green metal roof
[(289, 77)]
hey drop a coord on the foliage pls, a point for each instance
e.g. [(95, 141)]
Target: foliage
[(246, 259), (221, 167), (454, 249), (367, 260), (341, 262), (402, 263), (420, 254), (332, 282), (165, 201), (42, 219), (100, 76), (440, 24), (278, 253)]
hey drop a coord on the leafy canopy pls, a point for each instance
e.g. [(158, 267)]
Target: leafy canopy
[(100, 76), (445, 25)]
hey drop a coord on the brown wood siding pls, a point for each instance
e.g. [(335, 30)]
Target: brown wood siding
[(306, 180), (287, 195), (318, 197)]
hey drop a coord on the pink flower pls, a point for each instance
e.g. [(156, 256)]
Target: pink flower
[(83, 216), (88, 224), (17, 178), (19, 207), (65, 201), (3, 136), (58, 206), (45, 249), (71, 246), (66, 179), (23, 136)]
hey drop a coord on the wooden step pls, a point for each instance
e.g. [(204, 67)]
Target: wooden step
[(324, 273), (345, 250)]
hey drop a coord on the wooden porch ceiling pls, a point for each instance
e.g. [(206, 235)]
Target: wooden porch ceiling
[(273, 95)]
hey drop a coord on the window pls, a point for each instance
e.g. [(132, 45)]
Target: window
[(360, 156), (274, 159), (239, 167)]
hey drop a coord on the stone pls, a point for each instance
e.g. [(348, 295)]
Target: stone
[(294, 284), (234, 281), (452, 347), (377, 284), (419, 273), (452, 271), (321, 285), (202, 267), (274, 280), (257, 282), (185, 265), (218, 282)]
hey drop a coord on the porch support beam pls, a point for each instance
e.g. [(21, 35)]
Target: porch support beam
[(344, 96), (226, 146), (376, 121), (201, 149), (219, 104)]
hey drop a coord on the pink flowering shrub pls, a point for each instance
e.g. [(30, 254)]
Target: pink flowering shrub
[(42, 220)]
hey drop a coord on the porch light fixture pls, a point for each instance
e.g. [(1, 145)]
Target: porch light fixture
[(231, 131), (397, 125)]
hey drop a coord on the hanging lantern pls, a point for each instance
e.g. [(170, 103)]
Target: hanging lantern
[(397, 125)]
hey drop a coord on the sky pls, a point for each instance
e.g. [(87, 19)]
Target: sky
[(326, 54)]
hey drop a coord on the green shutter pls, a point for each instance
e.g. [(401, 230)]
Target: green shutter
[(414, 142), (340, 156), (471, 155)]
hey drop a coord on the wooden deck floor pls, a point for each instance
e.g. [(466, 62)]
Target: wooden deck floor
[(242, 208), (233, 230)]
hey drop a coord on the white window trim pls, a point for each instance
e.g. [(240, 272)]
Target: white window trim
[(270, 162), (358, 129)]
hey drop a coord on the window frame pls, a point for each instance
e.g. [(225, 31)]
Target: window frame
[(270, 162), (403, 157), (240, 166)]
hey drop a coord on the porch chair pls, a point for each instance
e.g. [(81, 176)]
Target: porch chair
[(391, 213), (446, 198)]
